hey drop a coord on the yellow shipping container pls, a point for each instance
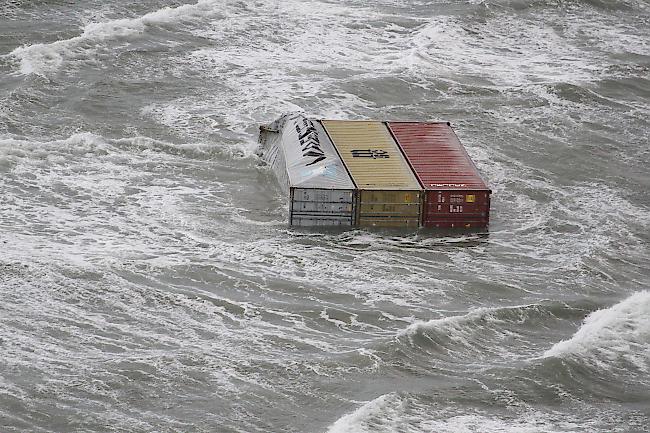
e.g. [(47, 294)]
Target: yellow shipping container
[(389, 193)]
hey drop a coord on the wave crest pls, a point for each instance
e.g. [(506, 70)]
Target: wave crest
[(499, 334), (618, 333), (43, 58), (379, 414)]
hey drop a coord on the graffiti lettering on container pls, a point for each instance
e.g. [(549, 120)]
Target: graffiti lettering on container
[(309, 143), (370, 153)]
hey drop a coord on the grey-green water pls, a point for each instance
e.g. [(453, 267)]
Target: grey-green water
[(148, 279)]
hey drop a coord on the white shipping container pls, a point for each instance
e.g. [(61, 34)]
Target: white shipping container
[(310, 170)]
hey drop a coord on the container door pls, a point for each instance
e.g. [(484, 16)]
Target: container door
[(382, 208), (457, 209), (322, 207)]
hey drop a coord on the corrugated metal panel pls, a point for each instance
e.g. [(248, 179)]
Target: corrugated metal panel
[(371, 155), (271, 151), (378, 208), (456, 209), (328, 171), (456, 195), (382, 203), (317, 207), (320, 222), (370, 173), (437, 156), (300, 152), (389, 194)]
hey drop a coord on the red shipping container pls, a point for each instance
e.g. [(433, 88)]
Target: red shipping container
[(456, 196)]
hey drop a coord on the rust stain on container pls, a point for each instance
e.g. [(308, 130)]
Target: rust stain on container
[(455, 194), (389, 194)]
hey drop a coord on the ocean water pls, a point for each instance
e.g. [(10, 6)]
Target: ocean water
[(149, 281)]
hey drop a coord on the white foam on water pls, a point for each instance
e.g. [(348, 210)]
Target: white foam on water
[(108, 208), (531, 423), (264, 64), (560, 228), (608, 33), (396, 413), (39, 58), (288, 56), (102, 196), (140, 342), (46, 58), (456, 326), (34, 151), (500, 334), (510, 52), (378, 415), (84, 319), (172, 116), (621, 332)]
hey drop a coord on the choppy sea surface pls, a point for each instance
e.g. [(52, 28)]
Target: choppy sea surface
[(149, 281)]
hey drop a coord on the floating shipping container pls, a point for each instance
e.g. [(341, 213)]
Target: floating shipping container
[(388, 193), (455, 194), (310, 171)]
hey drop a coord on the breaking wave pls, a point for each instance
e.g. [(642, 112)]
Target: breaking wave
[(514, 314), (503, 333), (373, 416), (617, 334), (49, 57)]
